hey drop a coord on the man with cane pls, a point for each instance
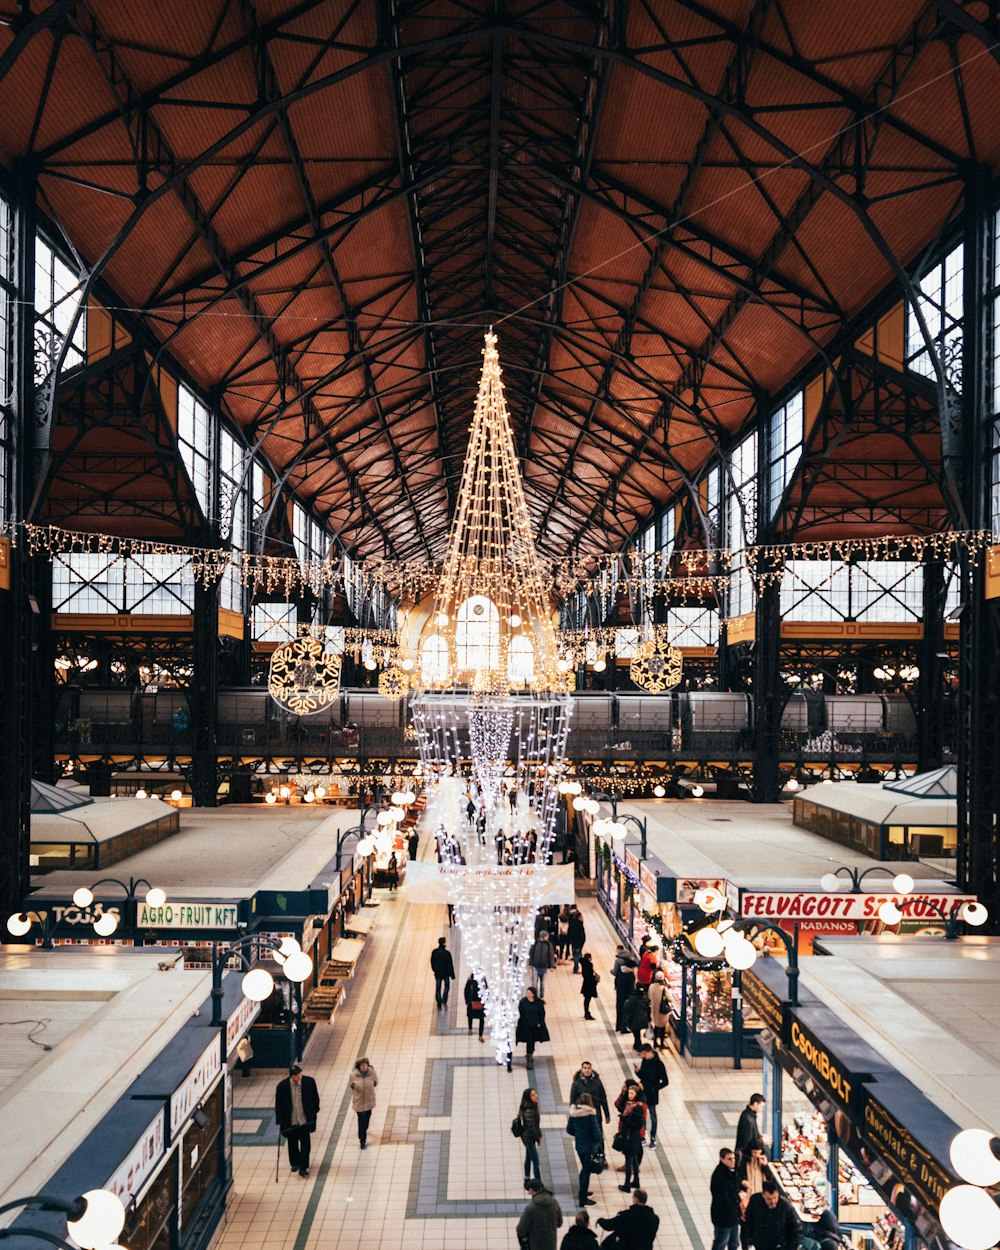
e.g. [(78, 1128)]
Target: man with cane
[(296, 1105)]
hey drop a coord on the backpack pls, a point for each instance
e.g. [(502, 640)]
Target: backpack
[(517, 1127)]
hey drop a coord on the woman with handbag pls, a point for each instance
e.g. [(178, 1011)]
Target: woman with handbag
[(584, 1127), (588, 984), (529, 1118), (631, 1130), (475, 1008), (531, 1027)]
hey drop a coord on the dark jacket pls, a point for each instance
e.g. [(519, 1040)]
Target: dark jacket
[(632, 1126), (577, 933), (653, 1077), (636, 1227), (584, 1126), (530, 1117), (624, 982), (442, 962), (636, 1010), (539, 1220), (725, 1188), (594, 1086), (588, 978), (578, 1238), (473, 995), (531, 1021), (283, 1103), (777, 1228), (543, 955), (747, 1134)]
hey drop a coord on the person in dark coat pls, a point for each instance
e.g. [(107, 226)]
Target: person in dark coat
[(531, 1027), (588, 986), (444, 972), (392, 871), (624, 985), (653, 1076), (579, 1235), (636, 1226), (475, 1008), (636, 1016), (584, 1127), (296, 1106), (542, 958), (632, 1127), (826, 1230), (587, 1081), (412, 843), (725, 1211), (540, 1219), (748, 1136), (577, 937), (531, 1134), (771, 1221)]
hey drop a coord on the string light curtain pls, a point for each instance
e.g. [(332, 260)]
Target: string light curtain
[(477, 713)]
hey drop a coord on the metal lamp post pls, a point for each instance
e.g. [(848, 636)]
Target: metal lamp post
[(637, 821), (19, 925), (94, 1219)]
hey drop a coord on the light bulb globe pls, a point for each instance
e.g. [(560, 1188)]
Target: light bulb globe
[(156, 897), (176, 795), (830, 882), (270, 797), (889, 913), (599, 666), (902, 883), (106, 924), (101, 1222), (740, 953), (698, 791), (708, 942), (82, 896), (298, 967), (365, 847), (289, 946), (258, 984), (972, 1157), (975, 914), (141, 794), (659, 791), (18, 924), (970, 1217)]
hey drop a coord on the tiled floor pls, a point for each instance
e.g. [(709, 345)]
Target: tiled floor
[(442, 1168)]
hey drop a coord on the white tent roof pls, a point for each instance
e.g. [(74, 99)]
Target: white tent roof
[(942, 783), (98, 821), (879, 805)]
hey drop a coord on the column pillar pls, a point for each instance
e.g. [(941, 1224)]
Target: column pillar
[(768, 693), (204, 695), (930, 708)]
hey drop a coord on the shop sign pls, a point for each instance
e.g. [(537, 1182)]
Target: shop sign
[(238, 1023), (766, 1003), (914, 1165), (68, 913), (649, 881), (176, 914), (136, 1170), (818, 905), (688, 887), (816, 1058), (633, 863), (196, 1085)]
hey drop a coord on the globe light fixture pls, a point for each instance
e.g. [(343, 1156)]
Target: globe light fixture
[(599, 828), (708, 942), (599, 666), (370, 665), (365, 847), (831, 882), (563, 787), (970, 1217), (397, 813), (697, 791), (258, 984), (309, 796), (902, 883), (740, 953), (19, 924), (285, 791), (408, 798), (141, 794), (176, 795), (298, 967), (270, 797), (156, 897), (397, 798), (580, 802), (659, 791), (406, 665), (973, 1156), (975, 914), (793, 783), (82, 896), (574, 787), (106, 924), (101, 1222), (889, 913), (321, 792), (384, 818)]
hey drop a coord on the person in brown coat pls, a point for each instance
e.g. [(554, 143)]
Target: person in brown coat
[(363, 1080)]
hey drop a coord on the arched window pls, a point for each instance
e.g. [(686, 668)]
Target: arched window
[(434, 659), (521, 661), (477, 635)]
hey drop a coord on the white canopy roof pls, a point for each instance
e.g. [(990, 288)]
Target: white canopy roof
[(879, 805)]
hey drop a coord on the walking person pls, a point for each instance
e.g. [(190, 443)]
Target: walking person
[(392, 872), (512, 799), (296, 1106), (541, 957), (635, 1227), (636, 1015), (579, 1235), (475, 1007), (659, 1010), (588, 985), (362, 1084), (443, 967), (725, 1211), (529, 1118), (653, 1076), (531, 1027), (587, 1081), (585, 1128), (470, 811), (632, 1129), (412, 844), (540, 1219), (577, 937), (562, 935)]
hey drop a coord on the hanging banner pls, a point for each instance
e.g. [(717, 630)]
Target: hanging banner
[(435, 883)]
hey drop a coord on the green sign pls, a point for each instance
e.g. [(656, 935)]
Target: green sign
[(176, 914)]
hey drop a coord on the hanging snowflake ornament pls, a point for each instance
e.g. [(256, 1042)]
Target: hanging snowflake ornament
[(393, 682), (656, 667), (304, 677)]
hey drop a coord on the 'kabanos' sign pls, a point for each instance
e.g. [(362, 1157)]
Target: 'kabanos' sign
[(796, 905)]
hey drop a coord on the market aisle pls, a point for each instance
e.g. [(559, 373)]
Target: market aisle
[(442, 1169)]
